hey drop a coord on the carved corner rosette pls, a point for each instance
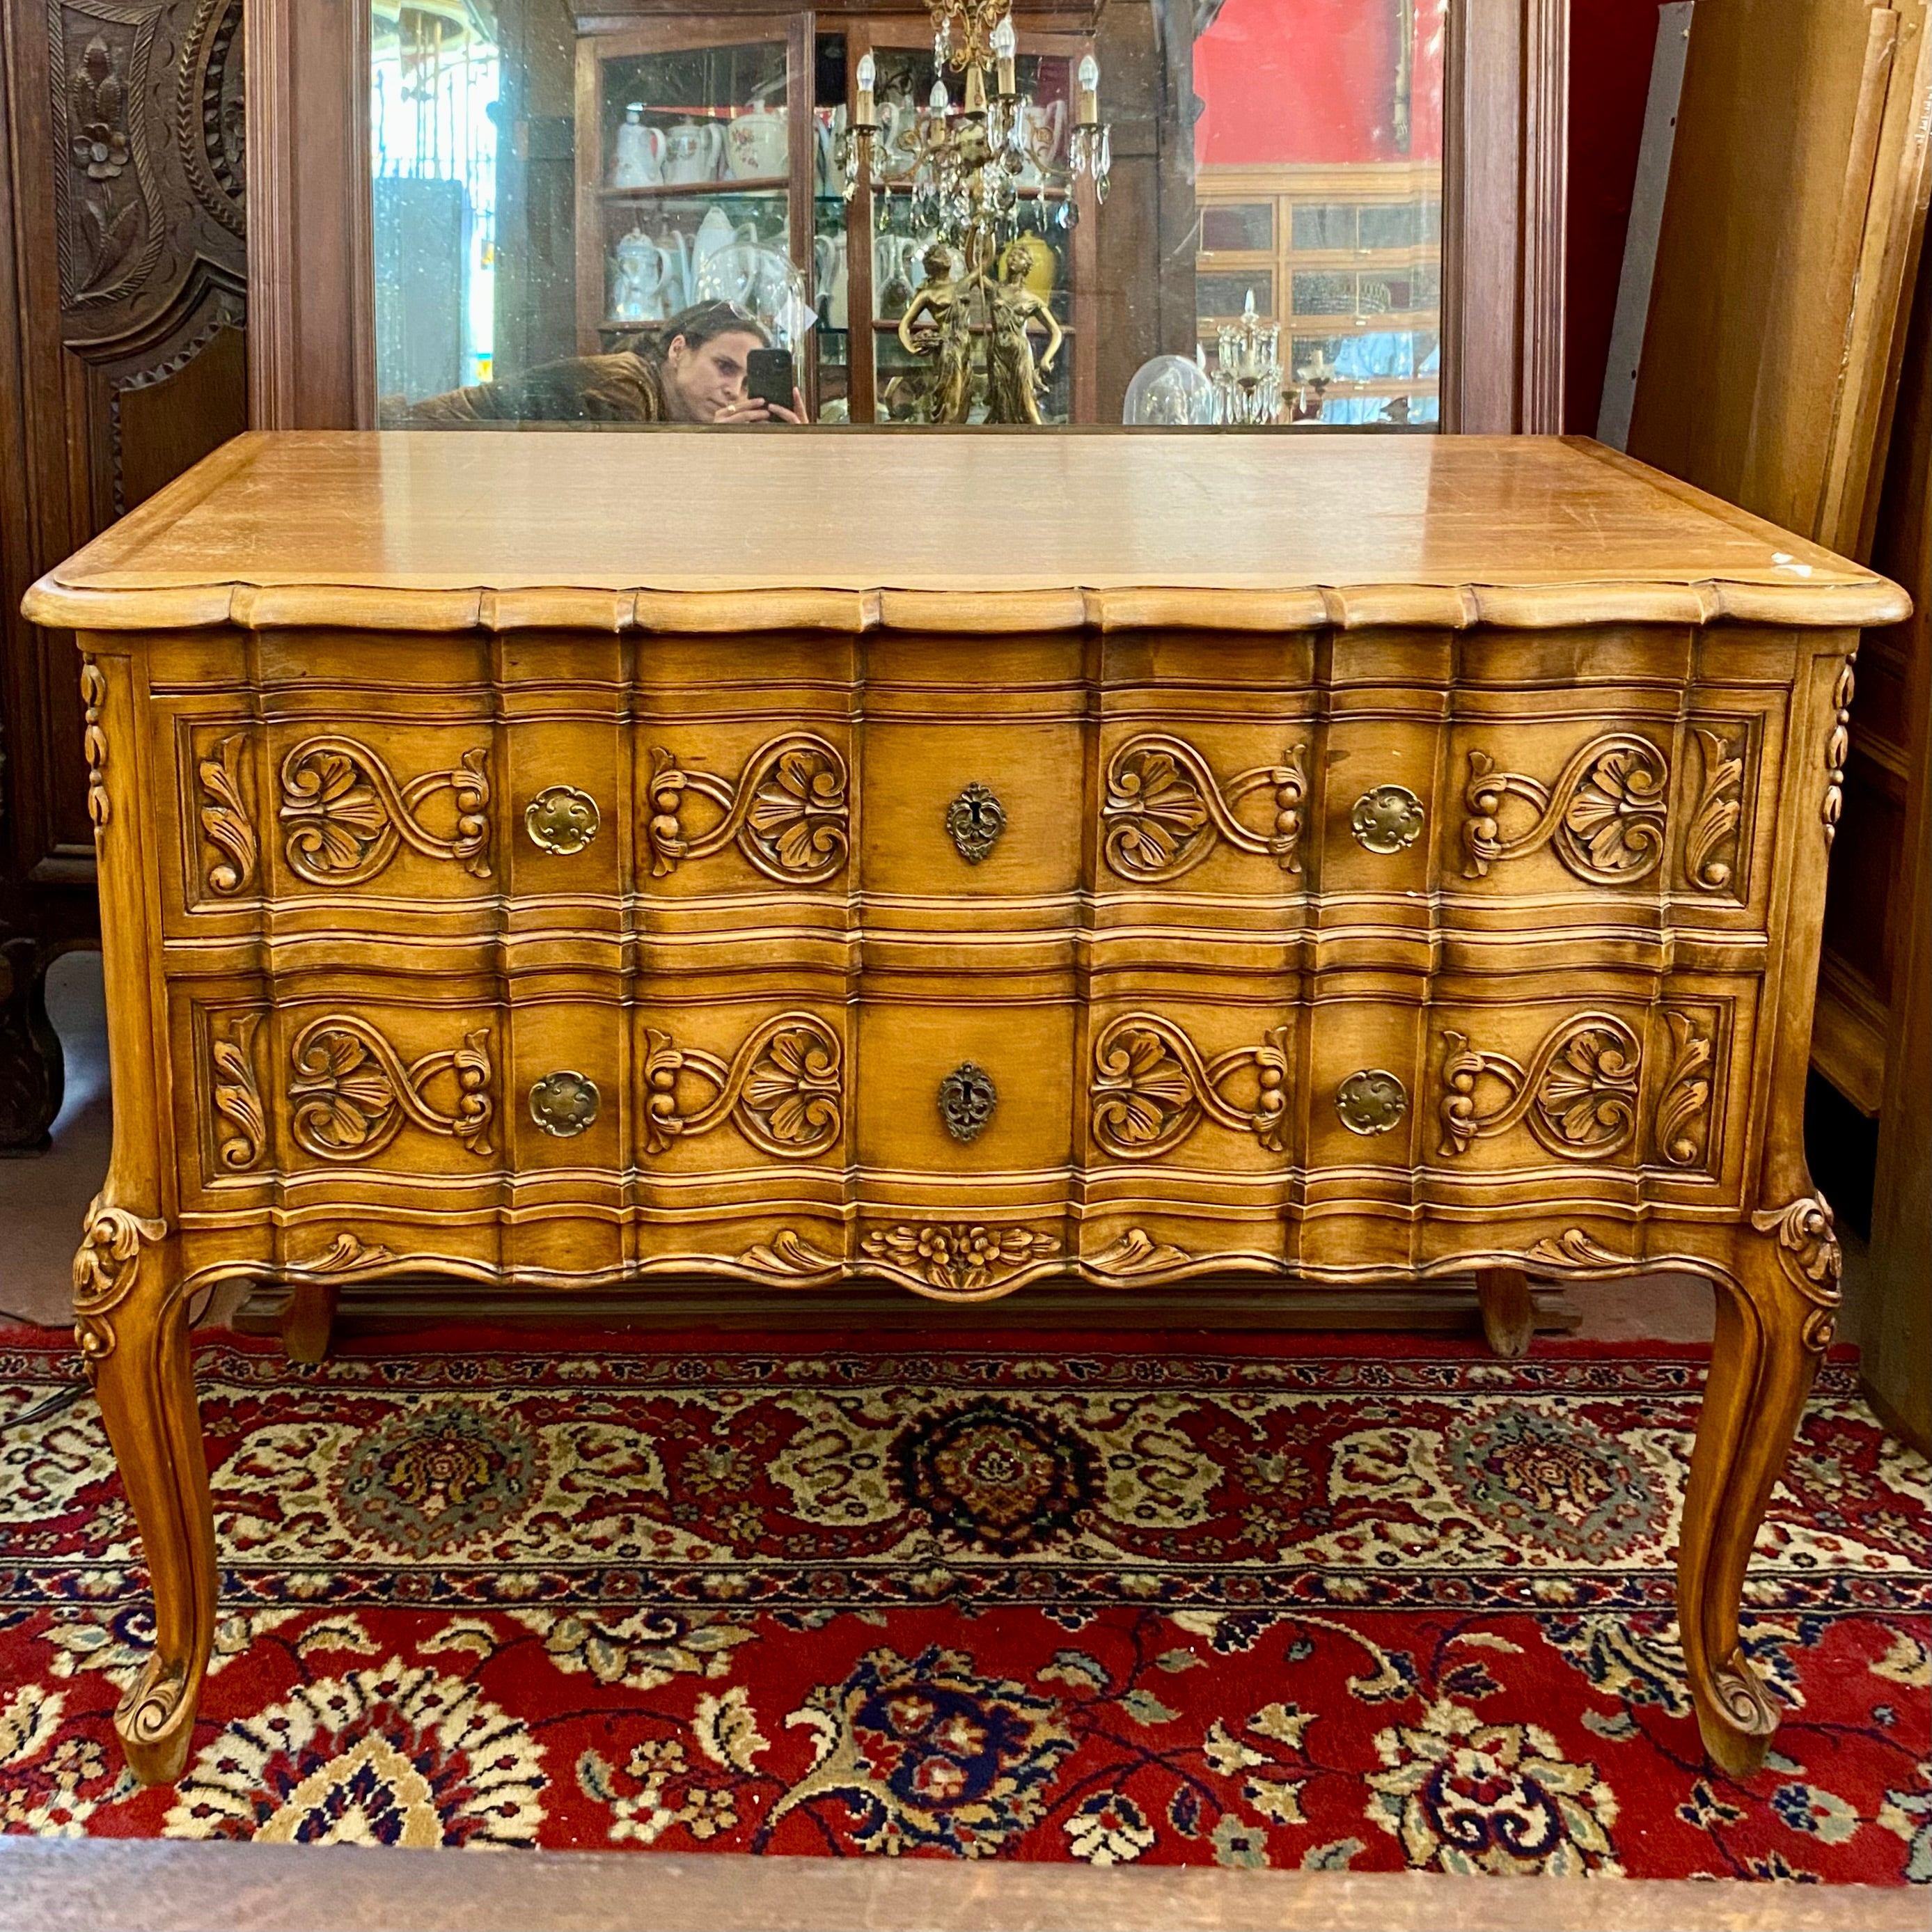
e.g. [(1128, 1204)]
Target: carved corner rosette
[(783, 1090), (226, 822), (347, 816), (1164, 810), (1151, 1088), (788, 811), (350, 1092), (106, 1266), (1604, 816), (1578, 1095), (959, 1259), (94, 742), (1812, 1260), (1712, 852), (235, 1092)]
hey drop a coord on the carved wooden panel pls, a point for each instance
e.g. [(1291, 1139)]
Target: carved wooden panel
[(125, 361)]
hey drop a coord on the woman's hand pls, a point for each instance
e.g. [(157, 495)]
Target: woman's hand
[(756, 410)]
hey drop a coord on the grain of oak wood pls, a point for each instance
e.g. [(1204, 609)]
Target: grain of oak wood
[(1135, 859)]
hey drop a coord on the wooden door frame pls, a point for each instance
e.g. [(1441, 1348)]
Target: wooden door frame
[(311, 338)]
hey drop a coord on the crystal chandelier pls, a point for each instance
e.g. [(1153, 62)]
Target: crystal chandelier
[(1247, 369), (969, 159)]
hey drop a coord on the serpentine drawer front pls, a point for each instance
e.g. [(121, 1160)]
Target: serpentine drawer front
[(1297, 859)]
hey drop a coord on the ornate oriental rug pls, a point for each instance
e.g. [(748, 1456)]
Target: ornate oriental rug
[(1386, 1604)]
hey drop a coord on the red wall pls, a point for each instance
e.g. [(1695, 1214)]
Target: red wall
[(1314, 80), (1611, 43)]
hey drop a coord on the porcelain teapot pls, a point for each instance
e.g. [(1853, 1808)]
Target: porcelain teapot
[(640, 151), (638, 275), (693, 150), (757, 144)]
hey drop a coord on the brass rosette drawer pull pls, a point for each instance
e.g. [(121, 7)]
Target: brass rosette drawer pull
[(564, 1103), (1371, 1101), (562, 820), (1387, 819)]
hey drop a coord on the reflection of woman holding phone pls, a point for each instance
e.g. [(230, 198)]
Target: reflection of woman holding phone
[(713, 364)]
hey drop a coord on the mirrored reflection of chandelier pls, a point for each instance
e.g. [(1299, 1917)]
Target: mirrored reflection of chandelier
[(970, 167), (1247, 369)]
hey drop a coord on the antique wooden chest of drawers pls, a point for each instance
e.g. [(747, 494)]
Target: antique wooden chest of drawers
[(559, 858)]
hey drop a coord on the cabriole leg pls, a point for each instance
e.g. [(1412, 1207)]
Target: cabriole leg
[(1774, 1324), (131, 1323)]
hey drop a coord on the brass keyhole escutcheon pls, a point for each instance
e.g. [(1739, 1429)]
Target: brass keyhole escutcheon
[(562, 820), (1388, 819), (974, 821), (966, 1098), (564, 1103), (1371, 1101)]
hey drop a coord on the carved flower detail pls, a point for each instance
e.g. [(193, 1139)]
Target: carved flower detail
[(1156, 810), (799, 812), (100, 150), (99, 101), (345, 1096), (959, 1258), (1616, 815), (795, 1086), (1589, 1095), (339, 814), (1139, 1087)]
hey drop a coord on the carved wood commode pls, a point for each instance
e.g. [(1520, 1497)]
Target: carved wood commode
[(555, 858)]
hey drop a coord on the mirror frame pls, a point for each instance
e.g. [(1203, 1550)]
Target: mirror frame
[(311, 347)]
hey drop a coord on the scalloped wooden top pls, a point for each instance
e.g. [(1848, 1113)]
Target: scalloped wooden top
[(734, 530)]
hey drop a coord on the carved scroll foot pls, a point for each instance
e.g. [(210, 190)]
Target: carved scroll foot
[(1509, 1315), (1774, 1324), (308, 1321), (32, 1072), (132, 1327)]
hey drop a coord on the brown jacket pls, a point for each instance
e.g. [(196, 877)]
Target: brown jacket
[(622, 388)]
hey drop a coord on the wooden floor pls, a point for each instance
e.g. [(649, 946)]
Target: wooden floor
[(50, 1886)]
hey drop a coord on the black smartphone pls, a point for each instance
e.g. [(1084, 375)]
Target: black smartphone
[(769, 376)]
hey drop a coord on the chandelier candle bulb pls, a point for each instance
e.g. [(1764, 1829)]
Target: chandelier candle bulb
[(865, 114), (1004, 43), (1089, 91)]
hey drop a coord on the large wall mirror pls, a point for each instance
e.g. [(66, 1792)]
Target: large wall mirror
[(1290, 214)]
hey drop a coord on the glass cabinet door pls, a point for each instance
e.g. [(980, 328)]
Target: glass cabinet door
[(693, 173)]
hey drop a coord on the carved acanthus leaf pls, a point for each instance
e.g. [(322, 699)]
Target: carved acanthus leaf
[(1809, 1253), (237, 1097), (225, 820), (106, 1266), (1136, 1252), (789, 1253), (94, 741), (1838, 746), (1714, 825), (1683, 1125)]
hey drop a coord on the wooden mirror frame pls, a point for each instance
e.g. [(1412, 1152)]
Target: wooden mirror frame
[(311, 350)]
